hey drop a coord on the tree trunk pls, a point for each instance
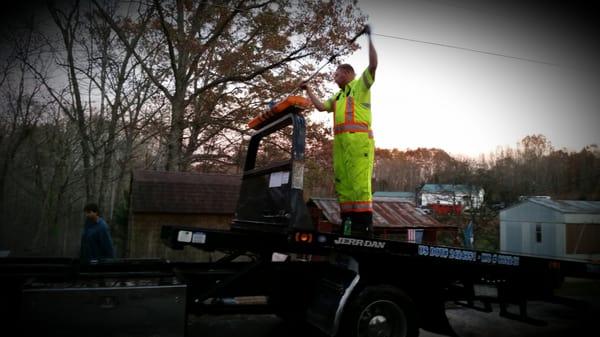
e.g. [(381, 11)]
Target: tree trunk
[(108, 149), (67, 32), (175, 137)]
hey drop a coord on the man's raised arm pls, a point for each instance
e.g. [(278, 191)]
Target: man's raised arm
[(372, 54), (315, 100)]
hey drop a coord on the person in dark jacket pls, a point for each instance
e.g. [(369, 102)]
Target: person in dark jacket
[(96, 242)]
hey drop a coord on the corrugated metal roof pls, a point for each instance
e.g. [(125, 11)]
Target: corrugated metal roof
[(184, 192), (386, 213), (569, 206)]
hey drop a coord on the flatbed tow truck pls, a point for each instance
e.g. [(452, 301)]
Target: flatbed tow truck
[(342, 285)]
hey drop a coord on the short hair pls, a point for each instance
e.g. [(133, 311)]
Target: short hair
[(346, 67), (91, 207)]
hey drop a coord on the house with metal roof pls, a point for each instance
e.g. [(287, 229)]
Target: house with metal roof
[(557, 228), (177, 198), (392, 218)]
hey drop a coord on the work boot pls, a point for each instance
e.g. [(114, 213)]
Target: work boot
[(362, 224)]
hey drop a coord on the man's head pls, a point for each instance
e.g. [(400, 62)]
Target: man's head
[(343, 75), (91, 211)]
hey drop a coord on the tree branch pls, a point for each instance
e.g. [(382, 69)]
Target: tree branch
[(165, 30), (127, 45), (214, 36), (252, 75)]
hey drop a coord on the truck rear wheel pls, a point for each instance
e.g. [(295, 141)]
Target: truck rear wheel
[(380, 311)]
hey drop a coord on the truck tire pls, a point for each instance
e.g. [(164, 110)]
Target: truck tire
[(380, 311)]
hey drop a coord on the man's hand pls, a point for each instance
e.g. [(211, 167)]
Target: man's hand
[(366, 30), (317, 103)]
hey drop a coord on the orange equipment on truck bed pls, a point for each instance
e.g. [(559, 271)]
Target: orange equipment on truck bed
[(297, 103)]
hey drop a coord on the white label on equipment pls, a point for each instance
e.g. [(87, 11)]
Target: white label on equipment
[(285, 177), (274, 180), (199, 237), (277, 179), (278, 257), (184, 236)]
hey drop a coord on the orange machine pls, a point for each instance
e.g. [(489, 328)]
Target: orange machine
[(289, 104)]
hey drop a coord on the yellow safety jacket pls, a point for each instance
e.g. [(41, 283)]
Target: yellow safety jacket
[(353, 146)]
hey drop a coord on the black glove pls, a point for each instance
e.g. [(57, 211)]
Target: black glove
[(367, 30)]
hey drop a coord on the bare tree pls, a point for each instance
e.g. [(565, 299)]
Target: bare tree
[(21, 108), (209, 49), (110, 69), (68, 23)]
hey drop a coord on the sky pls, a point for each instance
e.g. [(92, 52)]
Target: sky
[(469, 103)]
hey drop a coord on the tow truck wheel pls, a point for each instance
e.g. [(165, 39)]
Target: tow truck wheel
[(380, 311)]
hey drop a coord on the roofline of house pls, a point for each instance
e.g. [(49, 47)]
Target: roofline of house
[(533, 200)]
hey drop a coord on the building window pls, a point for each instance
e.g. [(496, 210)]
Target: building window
[(538, 232)]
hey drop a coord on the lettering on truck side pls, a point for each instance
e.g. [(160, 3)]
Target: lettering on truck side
[(359, 242), (467, 255)]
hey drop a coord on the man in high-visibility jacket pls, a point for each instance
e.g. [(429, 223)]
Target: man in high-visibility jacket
[(353, 145)]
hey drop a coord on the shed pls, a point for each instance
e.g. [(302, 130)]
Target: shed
[(557, 228), (160, 198), (392, 218)]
